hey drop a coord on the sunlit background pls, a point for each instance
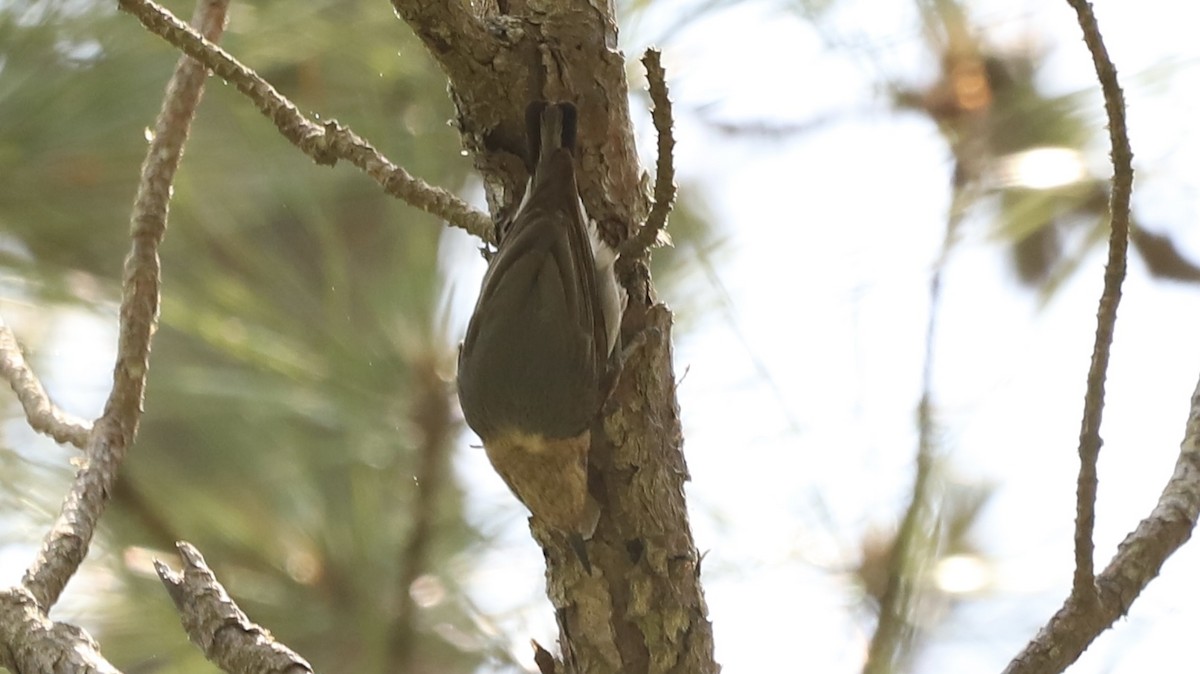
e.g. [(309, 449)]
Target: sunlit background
[(300, 425)]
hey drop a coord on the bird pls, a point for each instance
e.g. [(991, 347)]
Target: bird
[(533, 361)]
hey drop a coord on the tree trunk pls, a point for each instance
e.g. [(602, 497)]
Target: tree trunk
[(641, 608)]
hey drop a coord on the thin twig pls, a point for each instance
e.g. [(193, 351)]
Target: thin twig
[(43, 415), (1106, 320), (217, 626), (1138, 560), (544, 659), (893, 633), (325, 144), (664, 181), (65, 547)]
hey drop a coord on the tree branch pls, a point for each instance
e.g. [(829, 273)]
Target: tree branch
[(31, 642), (893, 633), (1114, 274), (324, 144), (43, 416), (65, 547), (456, 37), (431, 414), (1138, 560), (1096, 602), (217, 626), (664, 180)]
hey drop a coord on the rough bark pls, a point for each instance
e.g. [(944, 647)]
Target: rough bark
[(642, 609)]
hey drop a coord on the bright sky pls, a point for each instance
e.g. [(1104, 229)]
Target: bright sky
[(799, 395)]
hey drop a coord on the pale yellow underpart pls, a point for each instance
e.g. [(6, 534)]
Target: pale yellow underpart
[(548, 475)]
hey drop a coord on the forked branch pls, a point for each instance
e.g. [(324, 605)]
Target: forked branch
[(325, 144), (67, 543), (1097, 601), (28, 640)]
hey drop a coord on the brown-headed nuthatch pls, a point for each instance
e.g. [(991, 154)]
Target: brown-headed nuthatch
[(531, 366)]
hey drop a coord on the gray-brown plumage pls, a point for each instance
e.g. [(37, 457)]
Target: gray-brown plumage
[(536, 348)]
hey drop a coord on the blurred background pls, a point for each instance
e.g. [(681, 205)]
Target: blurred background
[(862, 182)]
